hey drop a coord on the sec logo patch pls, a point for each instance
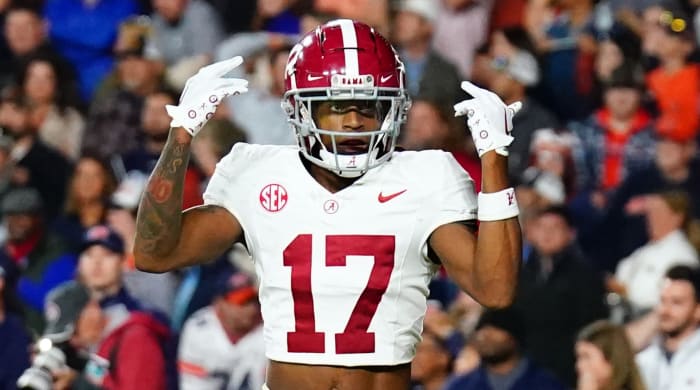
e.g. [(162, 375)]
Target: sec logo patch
[(273, 197)]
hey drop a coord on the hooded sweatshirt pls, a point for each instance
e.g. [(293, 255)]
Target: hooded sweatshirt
[(131, 356)]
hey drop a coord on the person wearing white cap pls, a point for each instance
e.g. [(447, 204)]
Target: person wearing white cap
[(427, 72), (515, 70)]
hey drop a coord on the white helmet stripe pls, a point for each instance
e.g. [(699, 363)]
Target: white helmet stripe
[(347, 27)]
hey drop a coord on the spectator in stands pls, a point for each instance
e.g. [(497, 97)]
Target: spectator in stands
[(115, 115), (469, 20), (675, 84), (539, 189), (618, 138), (50, 94), (372, 12), (100, 266), (31, 156), (552, 152), (499, 341), (558, 293), (221, 345), (616, 48), (25, 31), (567, 63), (280, 16), (84, 32), (89, 189), (128, 341), (178, 37), (673, 358), (639, 276), (32, 254), (622, 230), (428, 74), (515, 72), (605, 360), (257, 113), (14, 340), (131, 339), (432, 364)]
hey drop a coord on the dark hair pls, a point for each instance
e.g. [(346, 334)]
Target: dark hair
[(627, 41), (169, 92), (560, 211), (25, 6), (688, 274), (628, 75), (71, 206), (520, 38), (66, 91), (509, 320)]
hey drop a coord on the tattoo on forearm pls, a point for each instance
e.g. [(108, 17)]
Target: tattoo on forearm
[(160, 210), (160, 189)]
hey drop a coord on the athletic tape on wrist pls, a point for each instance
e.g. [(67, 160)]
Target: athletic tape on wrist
[(495, 206)]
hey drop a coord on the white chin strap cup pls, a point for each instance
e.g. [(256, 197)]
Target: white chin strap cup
[(347, 165)]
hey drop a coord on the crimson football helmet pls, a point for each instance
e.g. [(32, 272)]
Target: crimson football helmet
[(345, 60)]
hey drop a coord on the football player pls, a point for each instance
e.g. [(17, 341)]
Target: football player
[(346, 233)]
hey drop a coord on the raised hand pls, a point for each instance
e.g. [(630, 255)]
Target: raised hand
[(202, 94), (489, 119)]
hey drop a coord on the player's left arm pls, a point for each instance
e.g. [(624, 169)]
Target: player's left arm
[(486, 266)]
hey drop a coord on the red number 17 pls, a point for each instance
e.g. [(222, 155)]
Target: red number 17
[(355, 338)]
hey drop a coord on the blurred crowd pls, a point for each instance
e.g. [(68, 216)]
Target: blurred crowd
[(605, 164)]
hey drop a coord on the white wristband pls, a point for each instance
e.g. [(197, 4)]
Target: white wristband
[(495, 206)]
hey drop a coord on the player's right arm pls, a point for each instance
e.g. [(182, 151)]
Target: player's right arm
[(166, 237)]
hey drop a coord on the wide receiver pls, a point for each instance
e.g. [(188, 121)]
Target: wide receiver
[(345, 232)]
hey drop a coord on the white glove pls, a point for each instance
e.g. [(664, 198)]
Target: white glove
[(202, 94), (489, 119)]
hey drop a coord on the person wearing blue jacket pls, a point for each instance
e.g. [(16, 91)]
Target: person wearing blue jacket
[(84, 33), (14, 341)]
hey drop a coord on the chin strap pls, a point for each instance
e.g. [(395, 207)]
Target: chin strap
[(341, 164), (347, 161)]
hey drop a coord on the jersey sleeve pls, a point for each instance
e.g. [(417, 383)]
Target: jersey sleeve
[(455, 198), (227, 182)]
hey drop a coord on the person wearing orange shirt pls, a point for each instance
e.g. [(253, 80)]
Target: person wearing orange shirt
[(675, 84)]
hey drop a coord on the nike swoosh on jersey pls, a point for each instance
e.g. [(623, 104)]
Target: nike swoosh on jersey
[(385, 198)]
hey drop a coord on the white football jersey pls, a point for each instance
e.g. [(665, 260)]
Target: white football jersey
[(343, 276), (208, 360)]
